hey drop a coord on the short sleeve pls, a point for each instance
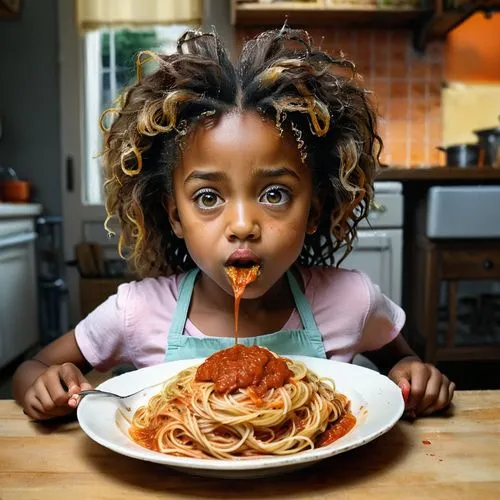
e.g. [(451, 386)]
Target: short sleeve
[(384, 319), (101, 336)]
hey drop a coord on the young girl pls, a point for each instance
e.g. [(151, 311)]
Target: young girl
[(209, 165)]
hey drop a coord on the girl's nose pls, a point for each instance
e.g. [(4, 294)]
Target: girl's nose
[(242, 223)]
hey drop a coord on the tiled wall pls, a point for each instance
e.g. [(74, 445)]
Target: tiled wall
[(407, 88)]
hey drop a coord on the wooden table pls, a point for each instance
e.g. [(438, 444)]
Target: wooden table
[(455, 456)]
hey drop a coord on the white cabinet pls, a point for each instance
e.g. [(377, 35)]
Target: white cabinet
[(379, 254), (378, 249), (18, 288)]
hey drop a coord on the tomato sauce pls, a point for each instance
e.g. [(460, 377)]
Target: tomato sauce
[(241, 367), (145, 437), (338, 429), (240, 277)]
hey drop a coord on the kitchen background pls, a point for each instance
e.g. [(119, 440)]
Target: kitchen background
[(434, 68)]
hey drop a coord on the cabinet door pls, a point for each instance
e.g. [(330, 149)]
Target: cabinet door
[(378, 254), (18, 300)]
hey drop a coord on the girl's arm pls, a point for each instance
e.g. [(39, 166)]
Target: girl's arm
[(386, 357), (44, 384), (425, 389)]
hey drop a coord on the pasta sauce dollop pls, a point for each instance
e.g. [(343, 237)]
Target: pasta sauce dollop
[(241, 367)]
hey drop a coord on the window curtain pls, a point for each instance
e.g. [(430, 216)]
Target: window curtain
[(95, 14)]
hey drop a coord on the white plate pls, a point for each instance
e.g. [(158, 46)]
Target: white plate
[(376, 402)]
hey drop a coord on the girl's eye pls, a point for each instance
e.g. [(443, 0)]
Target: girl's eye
[(207, 199), (275, 196)]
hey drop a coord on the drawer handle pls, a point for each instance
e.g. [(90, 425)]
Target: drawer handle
[(487, 264)]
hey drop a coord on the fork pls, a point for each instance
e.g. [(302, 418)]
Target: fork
[(98, 392), (123, 399)]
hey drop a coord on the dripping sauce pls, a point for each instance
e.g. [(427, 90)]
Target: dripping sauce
[(240, 278)]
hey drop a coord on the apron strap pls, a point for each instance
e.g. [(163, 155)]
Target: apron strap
[(182, 308), (302, 304)]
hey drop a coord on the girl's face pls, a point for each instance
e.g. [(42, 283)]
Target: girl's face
[(242, 196)]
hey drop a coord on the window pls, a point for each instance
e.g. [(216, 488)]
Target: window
[(109, 67)]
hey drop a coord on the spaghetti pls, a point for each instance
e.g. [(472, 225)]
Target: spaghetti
[(242, 402), (215, 419)]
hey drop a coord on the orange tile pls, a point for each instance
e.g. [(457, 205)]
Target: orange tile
[(417, 90), (364, 69), (436, 71), (399, 153), (381, 69), (435, 50), (399, 89), (398, 109), (436, 157), (418, 69), (381, 40), (417, 131), (435, 90), (417, 114), (417, 154), (382, 87), (435, 136), (397, 129), (400, 43), (364, 41), (399, 69)]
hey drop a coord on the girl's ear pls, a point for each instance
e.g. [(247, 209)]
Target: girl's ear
[(314, 215), (173, 217)]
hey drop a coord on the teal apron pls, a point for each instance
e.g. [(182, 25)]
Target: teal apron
[(306, 342)]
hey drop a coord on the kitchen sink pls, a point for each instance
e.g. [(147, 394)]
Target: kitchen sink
[(463, 212)]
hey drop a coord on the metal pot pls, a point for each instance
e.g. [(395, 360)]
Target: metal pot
[(461, 155), (489, 143)]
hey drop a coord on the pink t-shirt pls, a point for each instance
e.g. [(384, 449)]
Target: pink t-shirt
[(132, 326)]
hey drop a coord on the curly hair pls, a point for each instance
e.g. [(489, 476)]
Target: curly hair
[(310, 95)]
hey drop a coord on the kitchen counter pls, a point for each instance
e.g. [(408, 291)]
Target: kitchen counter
[(10, 210), (440, 175), (454, 456)]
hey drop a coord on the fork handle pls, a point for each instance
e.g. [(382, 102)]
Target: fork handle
[(98, 392)]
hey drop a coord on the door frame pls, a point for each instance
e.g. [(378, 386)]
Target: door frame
[(75, 212)]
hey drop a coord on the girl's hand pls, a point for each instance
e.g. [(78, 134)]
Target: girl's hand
[(49, 395), (425, 389)]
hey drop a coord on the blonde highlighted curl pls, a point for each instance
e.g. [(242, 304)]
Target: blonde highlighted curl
[(314, 97)]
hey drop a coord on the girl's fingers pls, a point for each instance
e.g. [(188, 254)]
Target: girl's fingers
[(419, 378), (47, 405), (42, 394), (451, 391), (442, 400), (73, 378), (433, 390), (33, 408), (405, 387), (55, 389)]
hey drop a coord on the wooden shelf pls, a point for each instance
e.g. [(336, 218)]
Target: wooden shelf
[(439, 174), (426, 24), (310, 14), (441, 22)]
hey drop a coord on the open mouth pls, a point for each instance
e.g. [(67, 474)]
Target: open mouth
[(243, 264), (243, 259)]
